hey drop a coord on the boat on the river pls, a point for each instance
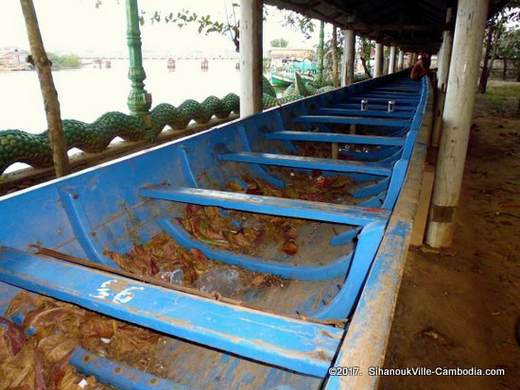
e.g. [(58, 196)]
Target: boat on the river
[(246, 246)]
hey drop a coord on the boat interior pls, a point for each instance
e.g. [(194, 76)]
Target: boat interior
[(247, 245)]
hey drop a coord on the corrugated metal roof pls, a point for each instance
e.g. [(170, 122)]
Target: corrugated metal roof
[(410, 24)]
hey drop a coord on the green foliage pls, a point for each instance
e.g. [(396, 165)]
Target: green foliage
[(321, 54), (365, 51), (205, 23), (500, 100), (509, 45), (299, 22), (280, 42), (229, 27), (64, 61)]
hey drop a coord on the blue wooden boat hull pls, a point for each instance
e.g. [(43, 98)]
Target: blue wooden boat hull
[(281, 337)]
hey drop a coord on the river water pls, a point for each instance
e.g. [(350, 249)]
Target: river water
[(88, 92)]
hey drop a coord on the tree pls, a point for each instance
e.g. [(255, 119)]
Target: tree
[(280, 42), (321, 53), (206, 24), (301, 23), (509, 48), (50, 96), (496, 27), (335, 65), (365, 48), (64, 61), (229, 27)]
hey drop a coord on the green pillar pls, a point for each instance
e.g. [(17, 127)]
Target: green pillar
[(139, 101)]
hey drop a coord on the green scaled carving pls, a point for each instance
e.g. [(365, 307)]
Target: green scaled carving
[(267, 88), (35, 149), (299, 85)]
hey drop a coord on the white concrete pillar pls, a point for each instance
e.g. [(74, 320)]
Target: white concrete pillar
[(379, 60), (457, 115), (400, 61), (391, 60), (408, 59), (443, 66), (251, 61), (349, 52)]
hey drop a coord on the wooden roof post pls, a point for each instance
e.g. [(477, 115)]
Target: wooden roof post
[(335, 65), (349, 52), (391, 60), (49, 93), (443, 67), (251, 57), (379, 60), (139, 101), (400, 61), (457, 115)]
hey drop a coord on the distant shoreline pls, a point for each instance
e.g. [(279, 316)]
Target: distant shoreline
[(30, 68)]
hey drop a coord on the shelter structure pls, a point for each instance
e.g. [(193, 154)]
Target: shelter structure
[(300, 54), (421, 26)]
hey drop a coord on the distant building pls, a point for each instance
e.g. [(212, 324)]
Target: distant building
[(14, 59), (285, 53)]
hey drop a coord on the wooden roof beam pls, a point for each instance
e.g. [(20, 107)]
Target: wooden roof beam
[(311, 11), (364, 27)]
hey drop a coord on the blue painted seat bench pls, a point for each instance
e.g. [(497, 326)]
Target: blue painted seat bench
[(276, 336)]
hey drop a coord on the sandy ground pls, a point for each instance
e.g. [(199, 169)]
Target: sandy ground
[(458, 308)]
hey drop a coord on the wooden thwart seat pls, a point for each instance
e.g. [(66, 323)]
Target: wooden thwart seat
[(301, 346), (372, 113), (345, 120), (294, 208), (288, 135), (323, 164)]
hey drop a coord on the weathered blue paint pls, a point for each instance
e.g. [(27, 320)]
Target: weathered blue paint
[(258, 170), (78, 220), (345, 120), (379, 155), (379, 98), (103, 208), (186, 167), (378, 300), (335, 137), (106, 371), (358, 112), (332, 270), (396, 183), (374, 107), (118, 375), (345, 237), (323, 164), (294, 208), (371, 190), (301, 346), (343, 303), (401, 89)]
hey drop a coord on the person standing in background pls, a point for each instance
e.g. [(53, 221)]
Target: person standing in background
[(421, 67)]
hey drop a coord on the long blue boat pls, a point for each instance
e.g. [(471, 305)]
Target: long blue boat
[(302, 310)]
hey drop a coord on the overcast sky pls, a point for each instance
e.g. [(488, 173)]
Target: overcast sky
[(78, 26)]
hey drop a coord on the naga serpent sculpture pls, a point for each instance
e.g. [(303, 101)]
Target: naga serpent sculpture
[(35, 149)]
